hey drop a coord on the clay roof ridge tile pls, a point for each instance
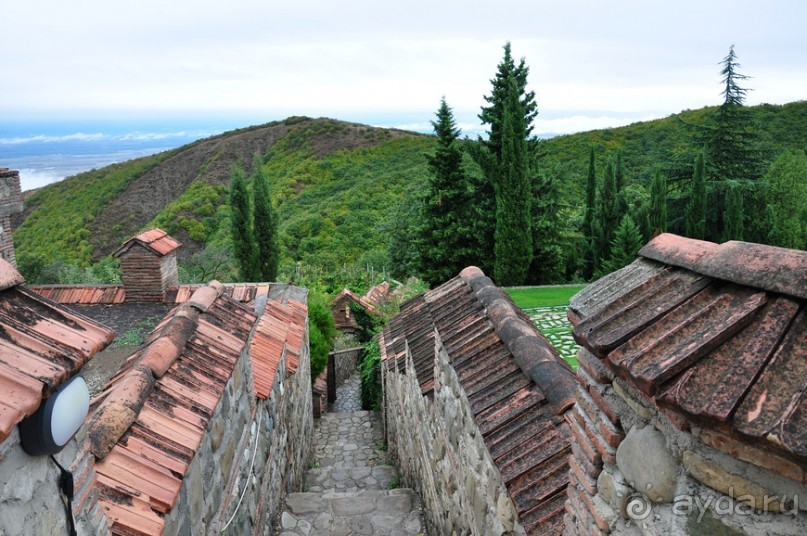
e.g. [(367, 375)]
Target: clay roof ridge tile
[(532, 353), (118, 410)]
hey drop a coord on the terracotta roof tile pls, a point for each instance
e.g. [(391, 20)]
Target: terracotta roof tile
[(153, 425), (279, 331), (155, 240), (41, 345), (718, 335), (82, 295), (9, 276), (516, 384), (378, 294)]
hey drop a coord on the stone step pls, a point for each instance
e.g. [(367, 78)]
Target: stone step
[(346, 414), (334, 479), (370, 512)]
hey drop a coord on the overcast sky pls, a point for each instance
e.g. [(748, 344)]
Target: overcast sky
[(592, 64)]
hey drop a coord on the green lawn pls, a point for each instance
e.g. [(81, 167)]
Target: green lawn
[(551, 322), (529, 298)]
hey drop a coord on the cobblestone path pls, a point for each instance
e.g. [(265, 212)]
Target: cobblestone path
[(348, 487), (552, 322)]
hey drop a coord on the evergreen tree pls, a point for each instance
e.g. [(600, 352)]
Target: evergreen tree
[(658, 204), (787, 200), (547, 257), (626, 244), (493, 114), (619, 172), (265, 224), (513, 249), (733, 216), (588, 220), (696, 207), (607, 214), (447, 242), (241, 226)]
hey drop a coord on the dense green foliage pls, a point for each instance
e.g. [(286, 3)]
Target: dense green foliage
[(733, 216), (321, 332), (370, 376), (265, 223), (787, 178), (246, 254), (589, 226), (658, 204), (625, 245), (448, 239), (696, 206), (55, 230)]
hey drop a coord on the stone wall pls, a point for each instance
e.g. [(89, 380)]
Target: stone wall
[(638, 470), (439, 451), (347, 362), (30, 499), (253, 452), (10, 203)]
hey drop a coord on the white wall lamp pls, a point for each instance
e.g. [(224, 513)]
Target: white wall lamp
[(58, 419)]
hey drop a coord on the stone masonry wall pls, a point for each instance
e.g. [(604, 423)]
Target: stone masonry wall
[(252, 453), (638, 470), (347, 363), (30, 499), (10, 203), (439, 450)]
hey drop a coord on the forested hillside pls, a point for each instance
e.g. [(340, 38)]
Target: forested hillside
[(348, 194)]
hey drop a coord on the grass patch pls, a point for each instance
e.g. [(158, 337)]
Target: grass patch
[(529, 298)]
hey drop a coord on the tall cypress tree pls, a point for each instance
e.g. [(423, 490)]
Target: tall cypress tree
[(448, 241), (626, 244), (607, 214), (488, 153), (588, 220), (513, 234), (265, 224), (696, 207), (733, 216), (658, 204), (241, 226)]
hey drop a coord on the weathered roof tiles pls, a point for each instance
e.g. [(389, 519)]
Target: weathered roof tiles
[(150, 420), (41, 346), (517, 385), (717, 333), (155, 240)]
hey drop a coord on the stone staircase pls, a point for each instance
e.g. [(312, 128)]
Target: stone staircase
[(350, 487)]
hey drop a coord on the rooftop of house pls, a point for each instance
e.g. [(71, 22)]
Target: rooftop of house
[(714, 333), (378, 294), (155, 240), (347, 296), (517, 385), (42, 345), (148, 423)]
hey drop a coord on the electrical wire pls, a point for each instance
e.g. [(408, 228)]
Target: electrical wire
[(249, 473)]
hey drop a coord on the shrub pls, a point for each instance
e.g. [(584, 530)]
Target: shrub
[(370, 373)]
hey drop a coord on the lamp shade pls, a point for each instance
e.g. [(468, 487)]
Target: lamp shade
[(58, 418)]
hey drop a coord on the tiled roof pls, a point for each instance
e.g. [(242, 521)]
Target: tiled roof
[(82, 295), (41, 346), (155, 240), (517, 385), (717, 333), (348, 295), (150, 420), (280, 329), (378, 294)]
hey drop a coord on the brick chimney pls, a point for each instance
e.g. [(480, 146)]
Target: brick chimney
[(10, 203), (148, 265)]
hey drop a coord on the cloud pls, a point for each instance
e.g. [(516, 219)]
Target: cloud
[(41, 138)]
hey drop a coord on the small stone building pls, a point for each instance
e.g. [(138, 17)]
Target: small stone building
[(691, 415), (148, 265), (475, 399), (43, 345), (343, 316), (10, 204)]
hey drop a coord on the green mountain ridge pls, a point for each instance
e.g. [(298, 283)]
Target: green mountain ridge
[(339, 187)]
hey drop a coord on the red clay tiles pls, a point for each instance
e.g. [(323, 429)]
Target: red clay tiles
[(82, 295), (279, 331), (152, 417), (343, 317), (517, 386), (156, 240), (41, 346), (717, 337)]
